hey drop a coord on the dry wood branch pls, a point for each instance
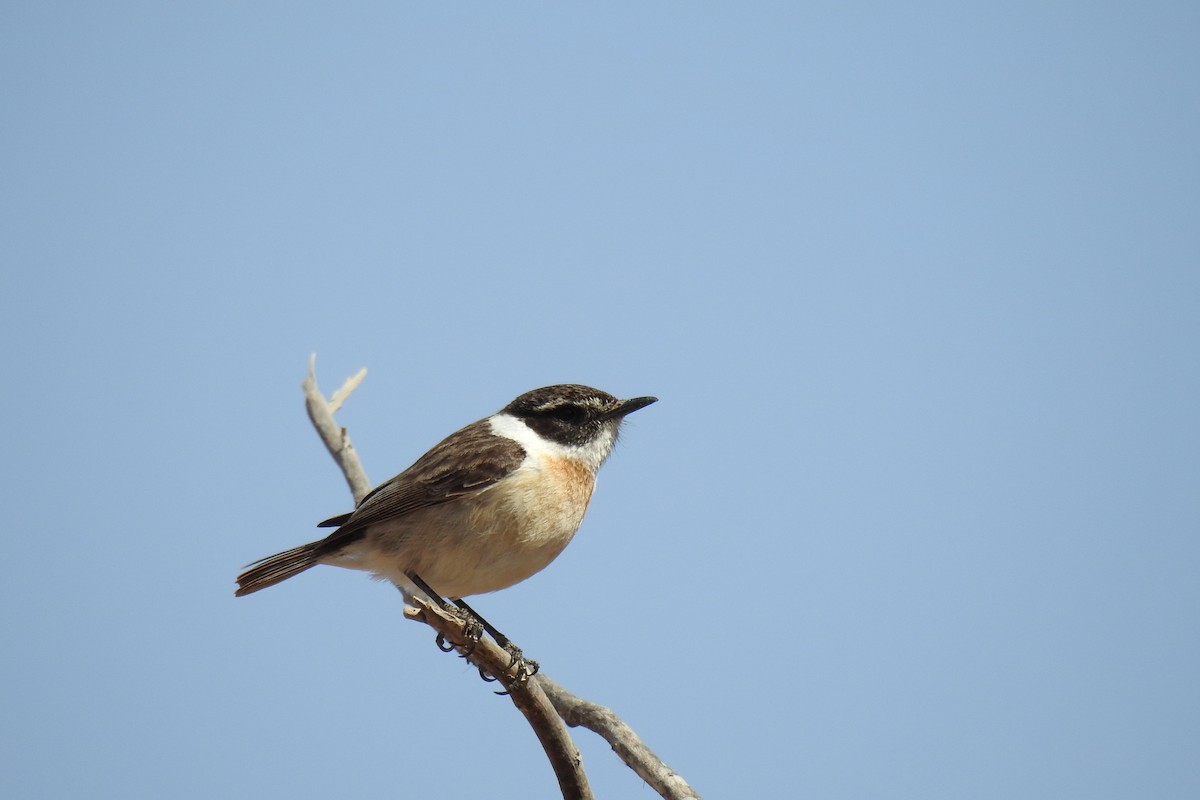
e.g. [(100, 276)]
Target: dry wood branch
[(545, 704), (578, 712), (336, 440), (525, 694)]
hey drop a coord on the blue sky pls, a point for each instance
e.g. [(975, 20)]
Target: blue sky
[(917, 516)]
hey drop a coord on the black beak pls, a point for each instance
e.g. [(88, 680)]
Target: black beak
[(626, 407)]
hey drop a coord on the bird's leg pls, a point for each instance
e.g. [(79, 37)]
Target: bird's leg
[(500, 638), (473, 627), (526, 668)]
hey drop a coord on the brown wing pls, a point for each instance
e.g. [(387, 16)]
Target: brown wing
[(464, 463)]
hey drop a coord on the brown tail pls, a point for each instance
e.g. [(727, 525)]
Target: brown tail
[(279, 567)]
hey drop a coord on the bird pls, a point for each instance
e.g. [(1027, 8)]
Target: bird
[(486, 508)]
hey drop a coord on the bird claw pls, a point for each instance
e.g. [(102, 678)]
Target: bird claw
[(521, 668), (472, 629)]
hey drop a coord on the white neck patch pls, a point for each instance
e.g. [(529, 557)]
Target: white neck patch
[(592, 454)]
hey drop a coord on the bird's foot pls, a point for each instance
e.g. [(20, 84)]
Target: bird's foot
[(524, 668), (472, 632), (520, 667)]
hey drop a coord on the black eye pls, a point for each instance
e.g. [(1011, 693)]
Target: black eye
[(572, 415)]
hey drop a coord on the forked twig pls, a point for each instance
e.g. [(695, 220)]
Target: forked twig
[(336, 440)]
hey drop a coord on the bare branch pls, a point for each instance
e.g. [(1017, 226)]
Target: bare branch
[(336, 440), (339, 397), (526, 695), (545, 704), (578, 712)]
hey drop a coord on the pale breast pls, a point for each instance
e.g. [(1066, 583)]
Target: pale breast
[(488, 541)]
